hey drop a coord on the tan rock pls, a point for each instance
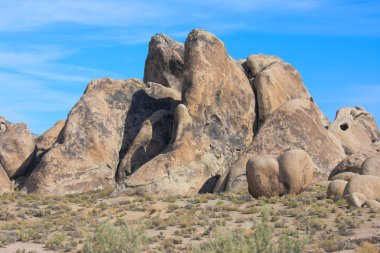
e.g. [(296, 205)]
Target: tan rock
[(275, 82), (263, 177), (361, 188), (290, 173), (355, 199), (256, 63), (211, 128), (355, 128), (100, 127), (372, 203), (346, 176), (296, 171), (45, 141), (295, 125), (6, 185), (153, 137), (371, 166), (336, 189), (17, 148), (164, 63), (353, 163)]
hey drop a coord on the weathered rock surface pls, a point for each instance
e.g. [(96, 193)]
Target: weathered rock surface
[(295, 125), (336, 188), (355, 128), (46, 140), (17, 147), (296, 171), (6, 185), (153, 137), (346, 176), (101, 125), (371, 166), (361, 188), (212, 126), (290, 173), (164, 63), (263, 176), (353, 163), (275, 82)]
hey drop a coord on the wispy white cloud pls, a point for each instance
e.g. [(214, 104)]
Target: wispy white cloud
[(151, 15)]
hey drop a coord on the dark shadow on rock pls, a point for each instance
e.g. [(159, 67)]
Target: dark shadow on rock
[(142, 107), (209, 185)]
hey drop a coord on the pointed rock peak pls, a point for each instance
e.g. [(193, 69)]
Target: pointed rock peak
[(164, 62)]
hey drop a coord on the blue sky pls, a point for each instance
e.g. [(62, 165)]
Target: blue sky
[(50, 50)]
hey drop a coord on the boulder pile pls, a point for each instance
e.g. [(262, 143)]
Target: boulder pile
[(198, 122)]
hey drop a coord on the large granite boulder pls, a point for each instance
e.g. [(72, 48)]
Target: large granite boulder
[(290, 173), (275, 82), (355, 128), (164, 63), (353, 163), (335, 190), (100, 127), (210, 129), (6, 185), (263, 176), (294, 125), (371, 166), (362, 188), (17, 148)]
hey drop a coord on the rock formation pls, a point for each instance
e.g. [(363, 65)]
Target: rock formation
[(164, 63), (294, 125), (362, 188), (214, 123), (108, 115), (200, 122), (355, 128), (290, 173), (17, 148), (353, 163)]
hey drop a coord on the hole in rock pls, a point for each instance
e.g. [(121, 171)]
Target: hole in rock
[(344, 127)]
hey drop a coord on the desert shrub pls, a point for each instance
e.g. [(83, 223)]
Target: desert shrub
[(367, 247), (261, 241), (109, 238), (5, 215), (335, 243), (56, 241)]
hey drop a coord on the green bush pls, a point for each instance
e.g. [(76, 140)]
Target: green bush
[(261, 241), (109, 238)]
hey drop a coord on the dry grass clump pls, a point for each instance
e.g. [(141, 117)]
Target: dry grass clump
[(110, 238)]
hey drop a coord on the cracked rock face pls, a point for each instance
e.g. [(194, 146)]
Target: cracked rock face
[(17, 148), (212, 126), (294, 125), (100, 125)]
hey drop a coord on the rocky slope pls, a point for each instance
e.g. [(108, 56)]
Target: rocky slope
[(199, 122)]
